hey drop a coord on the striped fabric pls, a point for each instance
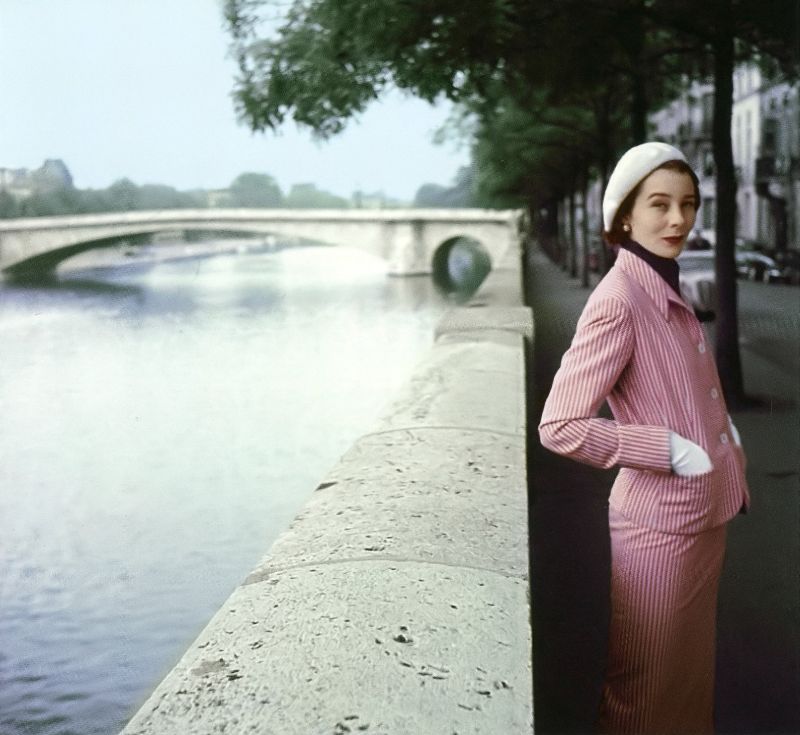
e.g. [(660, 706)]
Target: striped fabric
[(660, 675), (639, 346)]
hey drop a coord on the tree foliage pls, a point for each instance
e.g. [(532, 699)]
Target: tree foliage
[(304, 196), (462, 193), (558, 89), (255, 190), (122, 196), (616, 60), (247, 190), (331, 58)]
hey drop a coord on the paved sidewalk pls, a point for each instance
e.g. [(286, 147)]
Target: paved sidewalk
[(758, 680)]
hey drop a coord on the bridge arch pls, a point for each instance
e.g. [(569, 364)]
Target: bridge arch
[(460, 263), (45, 263)]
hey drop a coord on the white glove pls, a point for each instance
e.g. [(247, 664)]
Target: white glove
[(734, 432), (686, 457)]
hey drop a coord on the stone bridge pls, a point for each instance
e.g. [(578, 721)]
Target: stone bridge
[(411, 241)]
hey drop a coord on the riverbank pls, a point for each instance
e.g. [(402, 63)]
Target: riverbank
[(398, 599), (162, 425)]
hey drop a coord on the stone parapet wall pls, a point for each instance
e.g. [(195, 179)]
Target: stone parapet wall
[(398, 599)]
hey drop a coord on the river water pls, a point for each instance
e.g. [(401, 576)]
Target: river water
[(160, 425)]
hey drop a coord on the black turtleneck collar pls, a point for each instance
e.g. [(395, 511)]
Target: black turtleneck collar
[(667, 268)]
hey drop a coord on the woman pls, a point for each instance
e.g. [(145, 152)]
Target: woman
[(640, 346)]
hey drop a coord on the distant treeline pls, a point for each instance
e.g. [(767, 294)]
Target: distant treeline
[(463, 193), (246, 190), (121, 196)]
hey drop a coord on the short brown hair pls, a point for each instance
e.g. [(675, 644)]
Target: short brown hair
[(616, 235)]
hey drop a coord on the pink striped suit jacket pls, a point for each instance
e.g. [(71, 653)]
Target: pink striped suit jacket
[(639, 346)]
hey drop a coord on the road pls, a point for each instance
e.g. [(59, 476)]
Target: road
[(769, 324), (758, 662), (758, 680)]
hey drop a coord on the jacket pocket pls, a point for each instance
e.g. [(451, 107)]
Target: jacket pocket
[(667, 502), (687, 493)]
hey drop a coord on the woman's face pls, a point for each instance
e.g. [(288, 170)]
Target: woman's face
[(663, 213)]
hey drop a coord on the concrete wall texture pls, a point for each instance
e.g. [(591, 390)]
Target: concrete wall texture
[(397, 601)]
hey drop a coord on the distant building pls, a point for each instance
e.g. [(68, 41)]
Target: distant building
[(54, 174), (746, 136), (22, 182), (686, 123), (765, 131), (776, 169), (16, 181)]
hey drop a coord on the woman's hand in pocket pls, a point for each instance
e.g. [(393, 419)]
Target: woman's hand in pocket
[(686, 457)]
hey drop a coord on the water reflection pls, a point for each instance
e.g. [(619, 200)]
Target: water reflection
[(54, 283), (161, 425)]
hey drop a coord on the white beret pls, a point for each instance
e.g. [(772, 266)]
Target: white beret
[(636, 164)]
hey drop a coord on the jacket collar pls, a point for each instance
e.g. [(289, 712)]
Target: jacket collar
[(650, 281)]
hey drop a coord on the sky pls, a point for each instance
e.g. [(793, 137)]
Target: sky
[(142, 89)]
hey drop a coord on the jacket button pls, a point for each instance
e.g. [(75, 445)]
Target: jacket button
[(714, 393), (723, 437), (701, 348)]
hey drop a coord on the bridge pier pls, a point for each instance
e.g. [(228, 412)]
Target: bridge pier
[(406, 249)]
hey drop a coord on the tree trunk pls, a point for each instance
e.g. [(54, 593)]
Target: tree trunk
[(573, 240), (639, 109), (547, 222), (604, 154), (585, 229), (558, 243), (634, 43), (727, 347)]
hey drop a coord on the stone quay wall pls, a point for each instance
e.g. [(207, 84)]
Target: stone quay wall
[(397, 601)]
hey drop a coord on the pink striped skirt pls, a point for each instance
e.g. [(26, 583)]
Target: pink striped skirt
[(662, 637)]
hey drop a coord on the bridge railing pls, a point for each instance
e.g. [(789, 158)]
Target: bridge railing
[(276, 213)]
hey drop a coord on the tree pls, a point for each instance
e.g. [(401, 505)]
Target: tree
[(461, 194), (255, 190), (54, 201), (123, 195), (159, 196), (331, 58), (8, 205), (756, 30), (305, 196)]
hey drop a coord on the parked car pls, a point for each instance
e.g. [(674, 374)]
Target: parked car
[(757, 266), (698, 282), (789, 263), (696, 241)]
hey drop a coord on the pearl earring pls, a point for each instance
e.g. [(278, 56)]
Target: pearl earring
[(626, 227)]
